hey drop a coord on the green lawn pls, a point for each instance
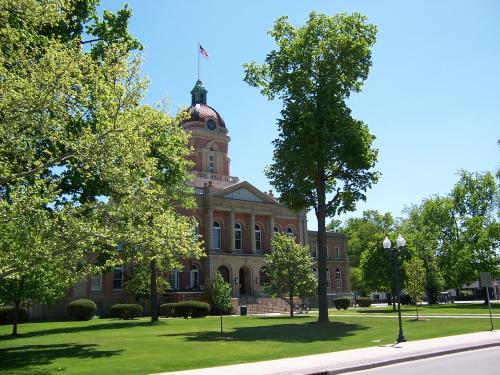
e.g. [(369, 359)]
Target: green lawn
[(448, 309), (105, 346)]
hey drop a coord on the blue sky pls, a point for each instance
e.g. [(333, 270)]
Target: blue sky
[(432, 98)]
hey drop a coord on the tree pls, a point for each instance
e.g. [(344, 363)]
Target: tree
[(97, 169), (323, 157), (290, 269), (415, 280), (220, 294)]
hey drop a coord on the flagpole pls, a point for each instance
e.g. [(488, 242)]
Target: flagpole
[(198, 53)]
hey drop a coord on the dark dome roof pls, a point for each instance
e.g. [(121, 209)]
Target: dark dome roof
[(202, 112)]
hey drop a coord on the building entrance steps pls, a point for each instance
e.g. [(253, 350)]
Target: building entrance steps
[(358, 359)]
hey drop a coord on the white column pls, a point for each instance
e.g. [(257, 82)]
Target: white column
[(252, 233)]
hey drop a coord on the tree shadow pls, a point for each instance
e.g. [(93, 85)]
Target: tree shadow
[(78, 328), (288, 332), (25, 358)]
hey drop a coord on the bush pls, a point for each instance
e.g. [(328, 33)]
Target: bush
[(167, 310), (405, 299), (364, 301), (466, 294), (193, 309), (342, 303), (82, 309), (7, 314), (125, 311)]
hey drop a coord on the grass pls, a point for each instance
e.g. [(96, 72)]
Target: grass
[(445, 309), (136, 347)]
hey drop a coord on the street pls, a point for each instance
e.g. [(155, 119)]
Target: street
[(482, 361)]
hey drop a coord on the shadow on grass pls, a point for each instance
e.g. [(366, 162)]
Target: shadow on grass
[(75, 328), (292, 332), (457, 308), (24, 358)]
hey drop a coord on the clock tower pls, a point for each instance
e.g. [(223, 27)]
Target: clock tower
[(209, 141)]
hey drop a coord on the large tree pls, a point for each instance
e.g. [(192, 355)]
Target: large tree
[(323, 157), (290, 269), (96, 168)]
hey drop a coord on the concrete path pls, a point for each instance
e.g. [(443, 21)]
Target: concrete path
[(357, 359)]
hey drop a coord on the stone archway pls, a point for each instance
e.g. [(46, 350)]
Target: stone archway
[(245, 280), (224, 272)]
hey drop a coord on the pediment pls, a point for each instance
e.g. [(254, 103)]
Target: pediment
[(244, 191)]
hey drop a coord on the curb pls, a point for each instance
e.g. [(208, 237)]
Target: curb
[(408, 358)]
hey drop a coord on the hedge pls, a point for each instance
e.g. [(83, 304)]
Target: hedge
[(405, 299), (82, 309), (7, 314), (193, 309), (125, 311), (342, 303), (364, 301)]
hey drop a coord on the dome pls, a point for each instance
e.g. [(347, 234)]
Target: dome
[(202, 112)]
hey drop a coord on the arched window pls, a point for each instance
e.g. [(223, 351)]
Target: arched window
[(258, 236), (290, 231), (328, 280), (277, 229), (224, 272), (174, 279), (193, 277), (338, 278), (216, 235), (237, 236)]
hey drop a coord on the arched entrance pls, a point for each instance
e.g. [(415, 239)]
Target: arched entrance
[(224, 272), (245, 281)]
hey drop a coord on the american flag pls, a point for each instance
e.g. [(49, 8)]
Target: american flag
[(203, 52)]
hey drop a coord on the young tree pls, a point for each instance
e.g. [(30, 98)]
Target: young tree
[(220, 294), (290, 269), (415, 280), (323, 157)]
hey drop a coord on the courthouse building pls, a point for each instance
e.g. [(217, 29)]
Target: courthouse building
[(235, 220)]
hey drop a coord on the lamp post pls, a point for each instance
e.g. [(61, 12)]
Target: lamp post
[(395, 252)]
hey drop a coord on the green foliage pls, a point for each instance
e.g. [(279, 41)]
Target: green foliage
[(138, 283), (220, 296), (82, 309), (290, 269), (167, 310), (321, 148), (7, 314), (357, 282), (364, 301), (125, 311), (415, 279), (193, 309), (342, 303), (406, 299)]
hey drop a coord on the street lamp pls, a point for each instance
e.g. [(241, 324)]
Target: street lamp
[(395, 252)]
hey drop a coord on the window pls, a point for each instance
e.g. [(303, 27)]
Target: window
[(338, 278), (193, 277), (211, 164), (258, 235), (174, 279), (118, 278), (216, 235), (328, 280), (290, 231), (277, 229), (237, 236), (315, 270), (337, 253), (96, 282), (327, 257), (314, 252)]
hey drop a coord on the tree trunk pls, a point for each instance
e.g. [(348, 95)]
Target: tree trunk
[(416, 307), (321, 217), (221, 334), (291, 301), (15, 318), (154, 296), (389, 299)]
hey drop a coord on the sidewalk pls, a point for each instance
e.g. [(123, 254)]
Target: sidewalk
[(357, 359)]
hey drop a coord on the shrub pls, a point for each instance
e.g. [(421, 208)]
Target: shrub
[(364, 301), (405, 299), (125, 311), (342, 303), (167, 309), (466, 294), (193, 309), (7, 314), (82, 309)]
